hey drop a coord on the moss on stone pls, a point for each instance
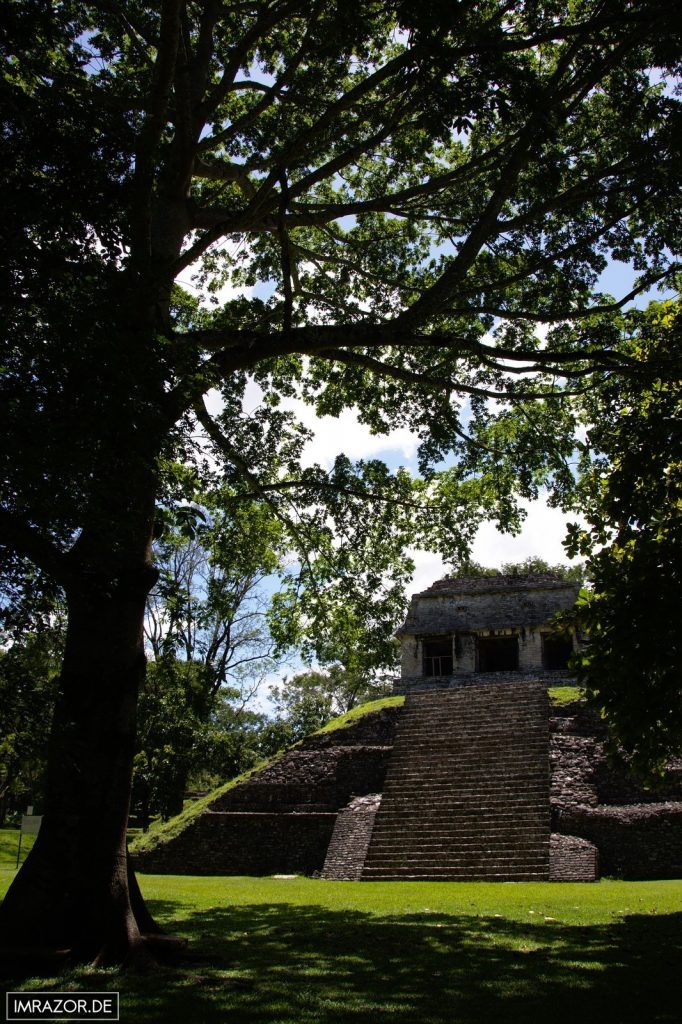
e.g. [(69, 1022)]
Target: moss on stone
[(562, 695)]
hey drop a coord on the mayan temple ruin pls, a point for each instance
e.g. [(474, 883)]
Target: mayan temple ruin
[(475, 769)]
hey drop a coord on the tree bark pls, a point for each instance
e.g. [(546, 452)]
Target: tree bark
[(74, 891)]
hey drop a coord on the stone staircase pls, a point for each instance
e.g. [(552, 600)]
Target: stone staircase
[(350, 839), (467, 789)]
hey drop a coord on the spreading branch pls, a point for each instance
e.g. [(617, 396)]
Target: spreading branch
[(24, 540)]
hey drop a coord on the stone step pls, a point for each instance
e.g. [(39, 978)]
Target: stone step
[(480, 780), (386, 844), (467, 788), (454, 875), (436, 765), (444, 753), (456, 809), (459, 849), (490, 863)]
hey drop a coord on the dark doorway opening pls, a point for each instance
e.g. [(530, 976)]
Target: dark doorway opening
[(498, 654), (438, 657), (556, 650)]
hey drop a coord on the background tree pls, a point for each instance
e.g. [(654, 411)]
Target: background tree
[(530, 565), (208, 605), (420, 187), (631, 495), (207, 632), (312, 698), (28, 688), (185, 739)]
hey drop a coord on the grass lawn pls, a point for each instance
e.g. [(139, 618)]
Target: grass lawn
[(302, 951), (9, 845)]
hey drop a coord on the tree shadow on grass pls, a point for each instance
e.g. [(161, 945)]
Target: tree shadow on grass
[(311, 965)]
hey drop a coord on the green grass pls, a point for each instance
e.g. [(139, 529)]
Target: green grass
[(359, 712), (560, 695), (9, 843), (303, 951)]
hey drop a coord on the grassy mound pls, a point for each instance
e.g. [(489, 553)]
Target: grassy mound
[(359, 712), (161, 832)]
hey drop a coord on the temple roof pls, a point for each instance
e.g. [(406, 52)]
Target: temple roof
[(488, 602), (455, 585)]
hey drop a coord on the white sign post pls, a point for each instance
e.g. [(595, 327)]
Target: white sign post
[(30, 825)]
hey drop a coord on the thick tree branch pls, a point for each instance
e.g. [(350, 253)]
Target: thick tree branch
[(311, 214), (154, 122), (266, 18), (441, 383), (25, 541), (270, 93)]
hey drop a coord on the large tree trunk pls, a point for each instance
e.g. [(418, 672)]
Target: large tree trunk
[(73, 892)]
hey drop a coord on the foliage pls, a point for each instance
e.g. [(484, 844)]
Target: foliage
[(631, 486), (407, 181), (530, 565), (28, 684), (311, 699)]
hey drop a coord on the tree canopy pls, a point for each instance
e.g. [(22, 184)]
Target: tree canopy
[(631, 495), (400, 196)]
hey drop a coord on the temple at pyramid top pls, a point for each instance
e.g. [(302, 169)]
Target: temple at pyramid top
[(465, 627)]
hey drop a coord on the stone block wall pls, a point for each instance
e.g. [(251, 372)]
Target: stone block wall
[(572, 859), (281, 819), (411, 658), (244, 844), (530, 650), (310, 780), (636, 841), (637, 831), (350, 840), (581, 772)]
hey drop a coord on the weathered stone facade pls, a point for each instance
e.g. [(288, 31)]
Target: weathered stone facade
[(314, 809), (347, 851), (489, 782), (481, 628), (637, 831), (572, 859), (282, 818)]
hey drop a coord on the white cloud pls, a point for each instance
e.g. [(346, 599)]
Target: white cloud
[(333, 435), (541, 535), (346, 434), (429, 567), (543, 531), (213, 402)]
